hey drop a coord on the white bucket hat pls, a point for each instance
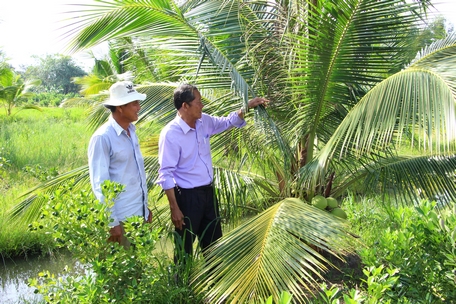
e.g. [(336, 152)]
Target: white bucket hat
[(122, 93)]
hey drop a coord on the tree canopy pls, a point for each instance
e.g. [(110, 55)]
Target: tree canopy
[(56, 73)]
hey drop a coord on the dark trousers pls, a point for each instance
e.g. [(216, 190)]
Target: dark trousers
[(202, 220)]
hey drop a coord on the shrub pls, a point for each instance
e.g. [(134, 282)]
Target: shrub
[(114, 274), (421, 243), (377, 287)]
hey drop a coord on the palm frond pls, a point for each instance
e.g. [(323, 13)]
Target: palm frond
[(158, 105), (241, 193), (410, 179), (98, 114), (273, 252), (114, 19), (29, 208), (417, 104), (348, 42)]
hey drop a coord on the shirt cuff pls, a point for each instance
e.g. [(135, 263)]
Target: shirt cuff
[(236, 120)]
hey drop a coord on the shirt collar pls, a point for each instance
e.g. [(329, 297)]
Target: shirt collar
[(118, 128), (183, 125)]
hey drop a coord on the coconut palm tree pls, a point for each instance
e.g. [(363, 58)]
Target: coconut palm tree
[(14, 90), (347, 112)]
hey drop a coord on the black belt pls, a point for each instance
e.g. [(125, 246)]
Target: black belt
[(205, 187)]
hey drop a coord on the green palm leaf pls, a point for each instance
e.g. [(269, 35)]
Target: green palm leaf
[(274, 252), (347, 44), (414, 107), (113, 19)]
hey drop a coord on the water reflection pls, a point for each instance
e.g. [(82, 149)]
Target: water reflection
[(14, 275)]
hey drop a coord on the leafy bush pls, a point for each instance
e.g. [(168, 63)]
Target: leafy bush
[(41, 173), (50, 99), (137, 275), (421, 243), (378, 287)]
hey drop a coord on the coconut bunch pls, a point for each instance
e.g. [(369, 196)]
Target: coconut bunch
[(329, 204)]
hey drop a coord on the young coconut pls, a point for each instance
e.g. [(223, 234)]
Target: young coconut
[(332, 202), (339, 213), (319, 202)]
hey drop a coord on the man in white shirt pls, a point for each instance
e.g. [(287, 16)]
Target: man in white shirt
[(114, 155)]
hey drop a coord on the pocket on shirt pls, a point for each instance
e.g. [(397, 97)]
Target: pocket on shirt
[(205, 147)]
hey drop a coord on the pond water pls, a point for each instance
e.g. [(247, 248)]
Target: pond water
[(14, 275)]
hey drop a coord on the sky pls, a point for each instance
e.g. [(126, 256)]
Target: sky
[(33, 27)]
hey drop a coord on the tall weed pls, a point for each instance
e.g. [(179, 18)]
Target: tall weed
[(53, 138)]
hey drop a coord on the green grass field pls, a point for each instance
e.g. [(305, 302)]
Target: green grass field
[(35, 146)]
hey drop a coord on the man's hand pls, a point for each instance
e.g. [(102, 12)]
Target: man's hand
[(255, 102), (149, 218), (176, 214), (177, 218), (116, 234)]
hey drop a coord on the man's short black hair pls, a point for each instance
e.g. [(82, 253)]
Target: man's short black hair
[(111, 108), (184, 93)]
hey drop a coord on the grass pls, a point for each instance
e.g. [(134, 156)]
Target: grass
[(35, 146), (53, 138)]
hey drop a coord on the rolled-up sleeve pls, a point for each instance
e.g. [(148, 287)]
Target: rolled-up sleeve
[(168, 158)]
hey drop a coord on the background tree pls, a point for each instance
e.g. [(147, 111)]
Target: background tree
[(14, 91), (56, 73), (425, 35), (348, 113)]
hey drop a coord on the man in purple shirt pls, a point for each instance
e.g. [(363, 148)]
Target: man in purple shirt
[(186, 173)]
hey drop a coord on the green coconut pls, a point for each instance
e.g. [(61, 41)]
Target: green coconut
[(339, 213), (332, 202), (319, 202)]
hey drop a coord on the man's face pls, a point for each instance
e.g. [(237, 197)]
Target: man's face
[(195, 107), (130, 111)]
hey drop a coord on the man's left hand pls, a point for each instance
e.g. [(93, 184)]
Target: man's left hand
[(149, 218), (255, 102)]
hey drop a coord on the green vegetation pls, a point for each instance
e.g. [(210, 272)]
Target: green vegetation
[(394, 253), (350, 111), (14, 90), (408, 257), (35, 147), (78, 222), (56, 73)]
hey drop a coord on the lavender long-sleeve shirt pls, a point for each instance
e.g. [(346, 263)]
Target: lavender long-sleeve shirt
[(185, 153)]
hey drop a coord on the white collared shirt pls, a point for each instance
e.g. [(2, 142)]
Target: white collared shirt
[(115, 156)]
